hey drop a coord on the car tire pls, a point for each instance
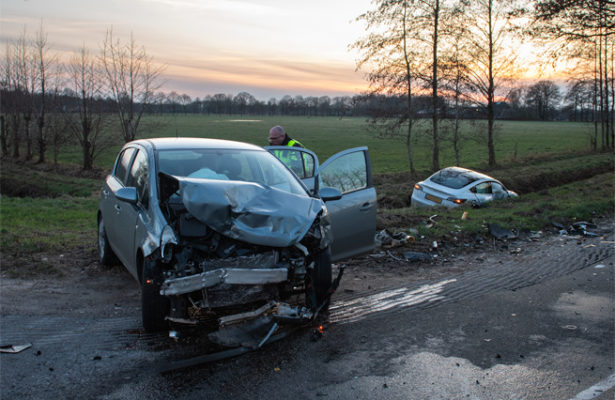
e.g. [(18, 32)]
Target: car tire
[(321, 279), (154, 306), (106, 256)]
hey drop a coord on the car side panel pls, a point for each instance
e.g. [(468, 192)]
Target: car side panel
[(353, 217), (110, 214), (353, 223)]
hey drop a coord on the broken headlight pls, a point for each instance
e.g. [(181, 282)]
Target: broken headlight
[(168, 240)]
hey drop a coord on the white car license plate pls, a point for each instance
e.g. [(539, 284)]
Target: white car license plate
[(433, 198)]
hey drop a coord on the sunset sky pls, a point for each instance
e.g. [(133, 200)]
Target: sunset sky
[(268, 48)]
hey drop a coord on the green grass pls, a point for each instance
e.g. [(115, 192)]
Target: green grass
[(328, 135), (46, 224), (45, 180)]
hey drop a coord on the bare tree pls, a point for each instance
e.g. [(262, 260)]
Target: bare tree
[(492, 59), (45, 64), (392, 63), (427, 15), (132, 79), (59, 119), (25, 73), (8, 104), (585, 29), (87, 127), (543, 97)]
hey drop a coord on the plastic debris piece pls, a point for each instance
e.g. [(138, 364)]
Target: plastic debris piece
[(581, 228), (500, 233), (385, 239), (14, 349), (464, 216), (416, 256), (393, 257)]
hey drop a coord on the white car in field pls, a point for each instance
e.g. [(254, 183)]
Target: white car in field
[(454, 186)]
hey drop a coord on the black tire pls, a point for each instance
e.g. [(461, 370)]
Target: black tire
[(106, 256), (154, 306), (321, 280)]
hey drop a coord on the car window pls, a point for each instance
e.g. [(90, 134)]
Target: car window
[(229, 164), (121, 167), (138, 176), (483, 188), (347, 173), (454, 178), (301, 163), (498, 190)]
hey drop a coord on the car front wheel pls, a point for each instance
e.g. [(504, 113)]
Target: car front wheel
[(321, 280), (154, 306)]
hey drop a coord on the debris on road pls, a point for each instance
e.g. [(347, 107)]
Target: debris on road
[(577, 228), (416, 256), (386, 240), (581, 228), (14, 349), (502, 234)]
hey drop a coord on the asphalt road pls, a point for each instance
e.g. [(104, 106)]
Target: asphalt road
[(530, 326)]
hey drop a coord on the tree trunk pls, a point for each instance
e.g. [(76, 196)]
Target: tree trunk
[(490, 93), (607, 121), (15, 128), (434, 95), (42, 146), (3, 136), (28, 136), (87, 158)]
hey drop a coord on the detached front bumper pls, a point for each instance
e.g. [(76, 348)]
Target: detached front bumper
[(233, 276)]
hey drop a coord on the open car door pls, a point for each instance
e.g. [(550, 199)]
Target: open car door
[(353, 216)]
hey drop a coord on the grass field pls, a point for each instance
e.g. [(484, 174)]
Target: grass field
[(548, 163), (328, 135)]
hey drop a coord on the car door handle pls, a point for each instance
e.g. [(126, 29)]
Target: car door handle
[(117, 207), (365, 206)]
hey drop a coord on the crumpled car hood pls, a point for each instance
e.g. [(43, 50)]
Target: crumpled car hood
[(249, 211)]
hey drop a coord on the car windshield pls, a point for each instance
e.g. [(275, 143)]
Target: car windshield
[(454, 178), (229, 164)]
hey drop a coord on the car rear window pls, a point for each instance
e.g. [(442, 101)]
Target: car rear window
[(454, 178)]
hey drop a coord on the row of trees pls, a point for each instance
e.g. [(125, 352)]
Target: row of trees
[(73, 100), (470, 51)]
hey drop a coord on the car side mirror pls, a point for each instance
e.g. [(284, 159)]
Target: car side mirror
[(127, 194), (329, 193)]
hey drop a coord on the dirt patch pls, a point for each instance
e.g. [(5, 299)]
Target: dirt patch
[(27, 179)]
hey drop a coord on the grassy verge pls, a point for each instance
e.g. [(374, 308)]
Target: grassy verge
[(36, 229)]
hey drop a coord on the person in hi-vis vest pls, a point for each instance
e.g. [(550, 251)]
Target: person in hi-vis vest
[(279, 137)]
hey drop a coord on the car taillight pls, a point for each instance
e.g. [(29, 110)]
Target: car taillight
[(417, 186), (456, 201)]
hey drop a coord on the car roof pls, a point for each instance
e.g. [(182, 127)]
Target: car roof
[(457, 177), (176, 143), (465, 172)]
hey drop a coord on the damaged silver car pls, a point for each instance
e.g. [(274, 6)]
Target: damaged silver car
[(217, 230)]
